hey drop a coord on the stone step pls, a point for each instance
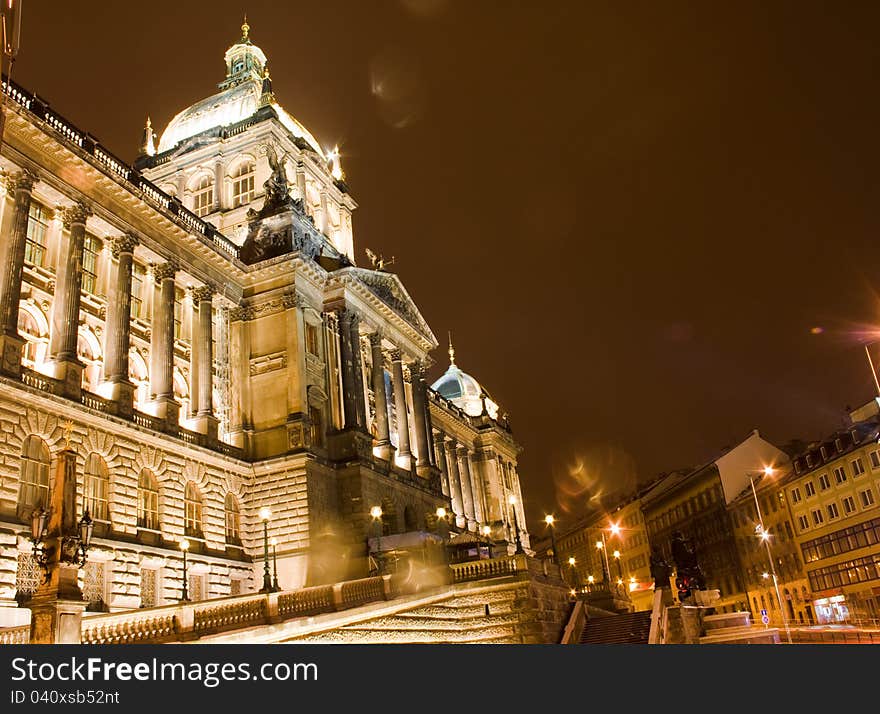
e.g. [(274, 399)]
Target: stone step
[(493, 634), (443, 612), (414, 623)]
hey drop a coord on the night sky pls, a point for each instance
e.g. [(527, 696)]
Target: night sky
[(651, 227)]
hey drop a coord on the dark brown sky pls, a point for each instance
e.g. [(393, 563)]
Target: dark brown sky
[(631, 217)]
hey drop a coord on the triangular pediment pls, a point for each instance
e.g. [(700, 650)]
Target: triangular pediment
[(389, 289)]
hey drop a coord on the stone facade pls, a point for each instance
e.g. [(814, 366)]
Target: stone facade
[(202, 387)]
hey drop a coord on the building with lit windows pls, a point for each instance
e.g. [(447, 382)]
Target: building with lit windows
[(783, 549), (201, 322), (833, 499)]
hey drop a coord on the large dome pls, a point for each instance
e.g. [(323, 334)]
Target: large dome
[(239, 99), (463, 390)]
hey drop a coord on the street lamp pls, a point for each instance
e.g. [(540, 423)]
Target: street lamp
[(376, 514), (616, 555), (519, 546), (551, 522), (764, 535), (487, 533), (442, 524), (603, 557), (275, 587), (265, 516), (574, 578), (184, 546)]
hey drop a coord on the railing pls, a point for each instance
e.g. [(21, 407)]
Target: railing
[(844, 636), (15, 635), (99, 404), (141, 626), (492, 568), (232, 615), (574, 628), (44, 383), (184, 621), (148, 421), (69, 134), (358, 592), (308, 601)]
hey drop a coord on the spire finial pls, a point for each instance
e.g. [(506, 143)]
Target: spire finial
[(451, 351), (245, 29)]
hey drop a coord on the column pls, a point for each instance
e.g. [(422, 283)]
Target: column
[(383, 442), (65, 307), (219, 186), (360, 401), (239, 382), (470, 507), (349, 357), (416, 370), (203, 338), (20, 185), (117, 328), (440, 451), (404, 455), (162, 347), (455, 482), (193, 352)]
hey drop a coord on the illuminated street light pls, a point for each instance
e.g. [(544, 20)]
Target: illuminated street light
[(275, 587), (265, 516), (376, 515), (764, 536), (184, 546), (551, 522)]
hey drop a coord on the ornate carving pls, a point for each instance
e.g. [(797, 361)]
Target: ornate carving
[(416, 369), (164, 271), (125, 243), (242, 313), (205, 292), (77, 213), (386, 287), (375, 339), (292, 299), (395, 355), (21, 181)]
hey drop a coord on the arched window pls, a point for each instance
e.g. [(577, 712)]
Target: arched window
[(243, 183), (96, 488), (233, 519), (29, 328), (148, 501), (203, 196), (33, 484), (192, 510)]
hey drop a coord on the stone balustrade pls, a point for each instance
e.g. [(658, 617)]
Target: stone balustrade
[(191, 620), (15, 635), (492, 568)]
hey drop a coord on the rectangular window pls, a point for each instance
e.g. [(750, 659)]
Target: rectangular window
[(840, 474), (312, 339), (803, 522), (867, 498), (833, 512), (849, 505), (875, 459), (196, 587), (235, 587), (795, 495), (35, 243), (858, 467), (94, 588), (138, 280), (91, 252), (809, 489), (203, 198), (818, 518), (824, 482)]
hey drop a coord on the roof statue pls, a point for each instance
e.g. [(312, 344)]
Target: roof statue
[(379, 262), (277, 186)]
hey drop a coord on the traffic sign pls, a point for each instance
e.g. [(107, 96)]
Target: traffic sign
[(765, 619)]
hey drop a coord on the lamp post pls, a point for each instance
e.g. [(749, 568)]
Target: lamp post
[(442, 524), (764, 535), (376, 514), (265, 516), (487, 533), (574, 578), (616, 555), (519, 546), (551, 522), (275, 587), (603, 558), (184, 546)]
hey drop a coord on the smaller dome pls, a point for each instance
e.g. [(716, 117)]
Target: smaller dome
[(463, 390)]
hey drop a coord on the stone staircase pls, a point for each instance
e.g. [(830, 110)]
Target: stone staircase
[(626, 629)]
